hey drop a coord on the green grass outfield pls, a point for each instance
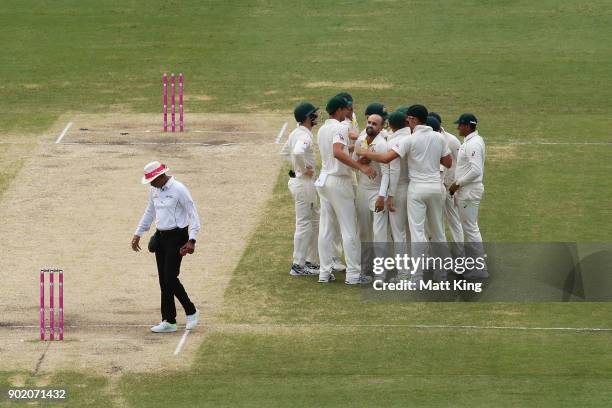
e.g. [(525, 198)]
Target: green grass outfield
[(530, 71)]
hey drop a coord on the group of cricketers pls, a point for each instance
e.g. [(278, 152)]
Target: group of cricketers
[(396, 181)]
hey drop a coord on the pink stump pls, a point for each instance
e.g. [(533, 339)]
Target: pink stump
[(61, 305), (173, 87), (165, 81), (181, 102), (42, 305), (51, 308)]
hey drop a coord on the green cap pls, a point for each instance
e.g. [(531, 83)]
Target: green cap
[(467, 119), (397, 120), (436, 115), (433, 123), (417, 111), (403, 109), (303, 110), (376, 109), (335, 103), (347, 96)]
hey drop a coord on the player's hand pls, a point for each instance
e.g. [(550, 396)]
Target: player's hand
[(453, 188), (309, 171), (353, 135), (136, 243), (368, 171), (364, 160), (380, 204), (390, 205), (359, 151), (188, 248)]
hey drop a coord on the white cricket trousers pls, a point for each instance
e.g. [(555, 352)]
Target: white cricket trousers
[(468, 214), (451, 213), (425, 207), (337, 199), (373, 225), (305, 239), (398, 219), (473, 246)]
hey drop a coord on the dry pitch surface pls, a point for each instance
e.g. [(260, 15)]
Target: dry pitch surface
[(75, 205)]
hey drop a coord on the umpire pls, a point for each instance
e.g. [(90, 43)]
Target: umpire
[(171, 206)]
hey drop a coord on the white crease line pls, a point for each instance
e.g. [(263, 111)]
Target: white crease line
[(551, 143), (324, 325), (161, 132), (155, 144), (281, 133), (181, 342), (61, 136)]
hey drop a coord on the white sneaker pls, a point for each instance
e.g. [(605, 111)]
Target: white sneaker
[(192, 320), (362, 280), (164, 327), (312, 268), (323, 278), (297, 270)]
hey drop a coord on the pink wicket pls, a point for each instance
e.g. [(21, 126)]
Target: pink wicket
[(42, 305), (61, 305), (181, 102), (165, 81), (60, 290), (51, 309), (173, 86)]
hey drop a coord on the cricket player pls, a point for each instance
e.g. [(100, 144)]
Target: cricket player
[(337, 195), (299, 151), (468, 187), (451, 211), (426, 150), (372, 193)]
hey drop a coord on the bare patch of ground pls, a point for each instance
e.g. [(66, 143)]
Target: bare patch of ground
[(75, 206), (501, 153), (350, 85)]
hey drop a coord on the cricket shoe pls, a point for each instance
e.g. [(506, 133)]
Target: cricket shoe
[(297, 270), (192, 320), (338, 266), (164, 327), (312, 267), (326, 278), (361, 280)]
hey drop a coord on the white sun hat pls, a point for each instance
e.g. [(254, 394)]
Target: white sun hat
[(152, 171)]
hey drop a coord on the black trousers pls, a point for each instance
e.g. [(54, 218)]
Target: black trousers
[(168, 268)]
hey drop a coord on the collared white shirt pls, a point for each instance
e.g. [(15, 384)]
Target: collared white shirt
[(330, 133), (381, 182), (171, 207), (299, 150), (454, 145), (424, 149), (399, 172), (470, 160)]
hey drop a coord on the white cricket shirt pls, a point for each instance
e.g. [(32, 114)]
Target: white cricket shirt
[(332, 132), (470, 161), (299, 150), (424, 149), (381, 182), (399, 172), (171, 207)]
